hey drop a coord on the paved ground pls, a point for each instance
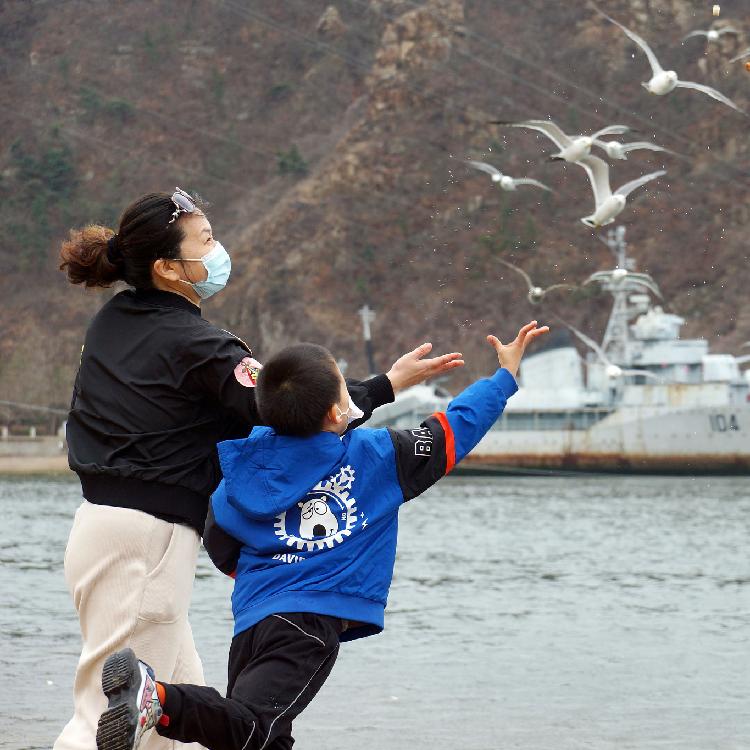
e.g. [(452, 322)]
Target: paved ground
[(33, 464)]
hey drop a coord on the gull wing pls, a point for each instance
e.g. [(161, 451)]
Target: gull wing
[(645, 280), (549, 128), (611, 130), (728, 30), (560, 286), (741, 56), (639, 279), (518, 270), (629, 187), (638, 145), (482, 166), (697, 32), (713, 93), (586, 340), (597, 276), (598, 171), (529, 181), (641, 42)]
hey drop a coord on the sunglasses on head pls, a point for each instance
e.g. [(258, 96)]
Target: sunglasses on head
[(183, 204)]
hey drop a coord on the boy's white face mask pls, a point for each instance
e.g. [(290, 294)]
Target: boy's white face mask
[(353, 412)]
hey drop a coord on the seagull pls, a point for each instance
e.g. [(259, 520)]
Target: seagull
[(663, 81), (712, 35), (506, 182), (620, 275), (617, 150), (609, 204), (741, 56), (612, 370), (572, 147), (535, 293)]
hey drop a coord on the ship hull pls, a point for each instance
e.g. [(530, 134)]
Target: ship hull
[(700, 440)]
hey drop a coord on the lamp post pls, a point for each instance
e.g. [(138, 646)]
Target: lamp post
[(368, 316)]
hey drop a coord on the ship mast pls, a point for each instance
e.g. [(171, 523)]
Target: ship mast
[(616, 337)]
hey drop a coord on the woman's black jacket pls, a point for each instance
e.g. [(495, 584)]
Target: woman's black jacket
[(158, 387)]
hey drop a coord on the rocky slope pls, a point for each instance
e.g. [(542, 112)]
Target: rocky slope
[(330, 141)]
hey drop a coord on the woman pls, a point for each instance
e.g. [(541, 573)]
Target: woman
[(158, 386)]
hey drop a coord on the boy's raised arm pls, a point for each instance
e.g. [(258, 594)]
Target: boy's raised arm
[(425, 454)]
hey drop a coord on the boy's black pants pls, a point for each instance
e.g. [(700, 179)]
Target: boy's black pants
[(275, 669)]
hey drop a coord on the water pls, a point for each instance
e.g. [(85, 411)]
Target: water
[(525, 613)]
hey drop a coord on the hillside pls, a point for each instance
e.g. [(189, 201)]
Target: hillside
[(330, 141)]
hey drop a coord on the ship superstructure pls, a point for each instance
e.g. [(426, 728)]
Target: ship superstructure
[(644, 400)]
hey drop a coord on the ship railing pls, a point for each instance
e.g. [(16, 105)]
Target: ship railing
[(551, 419)]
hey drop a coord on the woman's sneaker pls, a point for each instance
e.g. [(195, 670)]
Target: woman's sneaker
[(134, 705)]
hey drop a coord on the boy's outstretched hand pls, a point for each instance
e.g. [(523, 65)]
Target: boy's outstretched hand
[(510, 355)]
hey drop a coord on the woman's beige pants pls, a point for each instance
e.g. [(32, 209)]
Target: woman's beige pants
[(131, 577)]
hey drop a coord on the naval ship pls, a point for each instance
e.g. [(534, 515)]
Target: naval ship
[(643, 400)]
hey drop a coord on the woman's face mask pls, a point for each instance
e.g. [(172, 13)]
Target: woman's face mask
[(218, 264), (353, 412)]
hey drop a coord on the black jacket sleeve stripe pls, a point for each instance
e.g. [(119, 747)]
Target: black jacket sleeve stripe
[(421, 457)]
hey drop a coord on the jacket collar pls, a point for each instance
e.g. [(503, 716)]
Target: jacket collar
[(161, 298)]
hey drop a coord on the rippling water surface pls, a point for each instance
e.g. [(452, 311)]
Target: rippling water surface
[(536, 613)]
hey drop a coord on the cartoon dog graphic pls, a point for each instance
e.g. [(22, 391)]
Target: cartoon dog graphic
[(316, 519)]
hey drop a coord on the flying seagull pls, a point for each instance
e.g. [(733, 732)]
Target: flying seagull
[(621, 275), (572, 147), (663, 81), (712, 35), (617, 150), (535, 293), (612, 370), (609, 204), (506, 182)]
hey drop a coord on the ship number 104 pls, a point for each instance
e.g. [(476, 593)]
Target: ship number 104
[(723, 423)]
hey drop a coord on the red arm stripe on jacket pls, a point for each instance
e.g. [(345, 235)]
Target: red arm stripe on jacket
[(450, 443)]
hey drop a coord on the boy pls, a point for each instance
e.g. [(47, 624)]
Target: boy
[(316, 512)]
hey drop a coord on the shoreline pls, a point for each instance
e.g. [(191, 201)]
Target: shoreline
[(26, 465)]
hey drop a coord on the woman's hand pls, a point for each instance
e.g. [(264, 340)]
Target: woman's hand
[(412, 369), (509, 355)]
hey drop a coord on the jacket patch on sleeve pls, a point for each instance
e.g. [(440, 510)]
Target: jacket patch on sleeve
[(247, 371), (423, 442)]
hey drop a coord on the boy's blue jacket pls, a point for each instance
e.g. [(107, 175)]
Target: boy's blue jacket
[(317, 517)]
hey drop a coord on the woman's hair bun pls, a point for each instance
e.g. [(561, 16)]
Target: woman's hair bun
[(86, 260)]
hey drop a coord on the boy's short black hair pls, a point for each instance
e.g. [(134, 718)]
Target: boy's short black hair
[(296, 388)]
